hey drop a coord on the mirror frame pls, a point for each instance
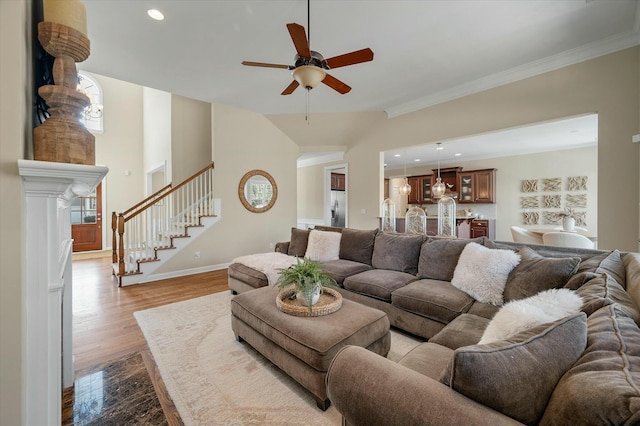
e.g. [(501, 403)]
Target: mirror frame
[(244, 181)]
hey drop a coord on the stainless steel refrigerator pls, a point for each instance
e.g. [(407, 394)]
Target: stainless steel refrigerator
[(338, 208)]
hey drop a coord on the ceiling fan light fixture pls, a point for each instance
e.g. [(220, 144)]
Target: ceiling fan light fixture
[(309, 76)]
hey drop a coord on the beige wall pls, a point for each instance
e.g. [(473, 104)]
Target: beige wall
[(120, 146), (15, 125), (243, 141), (190, 137), (607, 85), (311, 186)]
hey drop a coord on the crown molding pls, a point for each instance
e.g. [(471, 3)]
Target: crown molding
[(551, 63)]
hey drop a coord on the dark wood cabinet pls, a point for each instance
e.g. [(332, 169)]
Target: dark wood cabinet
[(415, 196), (477, 186), (386, 188), (338, 182), (425, 187), (481, 228)]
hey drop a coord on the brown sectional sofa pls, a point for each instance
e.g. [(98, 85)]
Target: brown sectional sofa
[(582, 369)]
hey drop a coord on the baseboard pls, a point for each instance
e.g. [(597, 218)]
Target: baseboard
[(183, 272)]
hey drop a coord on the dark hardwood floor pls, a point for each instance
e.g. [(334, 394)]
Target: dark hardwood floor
[(105, 330)]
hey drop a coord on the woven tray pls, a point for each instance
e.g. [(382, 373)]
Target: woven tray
[(329, 302)]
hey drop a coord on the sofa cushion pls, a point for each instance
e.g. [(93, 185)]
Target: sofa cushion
[(428, 359), (632, 267), (482, 272), (247, 275), (537, 273), (323, 245), (340, 269), (517, 376), (603, 291), (298, 243), (605, 263), (378, 283), (464, 330), (437, 300), (397, 252), (603, 386), (439, 257), (357, 245), (579, 279), (520, 315)]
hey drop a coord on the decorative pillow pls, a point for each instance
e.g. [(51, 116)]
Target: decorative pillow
[(397, 252), (579, 279), (439, 257), (357, 245), (606, 263), (519, 315), (603, 385), (482, 272), (298, 242), (517, 376), (323, 245), (536, 273)]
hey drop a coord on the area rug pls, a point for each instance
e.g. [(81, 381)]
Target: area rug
[(215, 380)]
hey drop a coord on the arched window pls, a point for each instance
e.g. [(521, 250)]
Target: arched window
[(92, 116)]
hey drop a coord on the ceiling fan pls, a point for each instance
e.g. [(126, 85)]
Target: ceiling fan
[(310, 67)]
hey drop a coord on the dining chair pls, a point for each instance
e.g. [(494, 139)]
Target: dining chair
[(567, 239), (522, 235)]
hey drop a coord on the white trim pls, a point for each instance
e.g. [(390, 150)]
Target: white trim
[(551, 63), (182, 273)]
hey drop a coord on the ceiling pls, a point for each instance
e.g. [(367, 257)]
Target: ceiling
[(571, 133), (426, 52)]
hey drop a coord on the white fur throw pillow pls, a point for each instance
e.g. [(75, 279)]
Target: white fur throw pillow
[(482, 272), (323, 245), (519, 315)]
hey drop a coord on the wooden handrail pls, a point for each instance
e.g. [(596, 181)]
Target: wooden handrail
[(147, 199), (174, 189)]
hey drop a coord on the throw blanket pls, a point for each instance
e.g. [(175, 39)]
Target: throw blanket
[(267, 263)]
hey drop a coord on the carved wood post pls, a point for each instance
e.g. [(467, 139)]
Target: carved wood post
[(121, 245)]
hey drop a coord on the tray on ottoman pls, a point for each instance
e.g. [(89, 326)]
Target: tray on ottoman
[(301, 346)]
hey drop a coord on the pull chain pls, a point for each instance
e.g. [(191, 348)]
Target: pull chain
[(306, 115)]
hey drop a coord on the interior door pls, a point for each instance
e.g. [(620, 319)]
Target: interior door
[(86, 221)]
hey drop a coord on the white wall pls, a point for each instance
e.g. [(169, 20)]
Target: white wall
[(156, 110)]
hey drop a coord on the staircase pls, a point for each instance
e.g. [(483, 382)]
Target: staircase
[(157, 228)]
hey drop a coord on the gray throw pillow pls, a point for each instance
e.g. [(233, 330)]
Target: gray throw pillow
[(602, 291), (357, 245), (536, 273), (438, 258), (298, 243), (397, 252), (606, 263), (506, 375)]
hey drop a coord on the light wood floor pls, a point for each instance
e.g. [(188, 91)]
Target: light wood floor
[(104, 327)]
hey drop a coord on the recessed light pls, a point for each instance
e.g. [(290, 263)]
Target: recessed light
[(397, 155), (417, 160), (155, 14), (457, 154)]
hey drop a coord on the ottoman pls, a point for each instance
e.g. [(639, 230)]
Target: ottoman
[(303, 347)]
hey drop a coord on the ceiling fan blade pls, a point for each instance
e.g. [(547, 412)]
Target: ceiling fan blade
[(262, 64), (336, 84), (364, 55), (290, 88), (299, 38)]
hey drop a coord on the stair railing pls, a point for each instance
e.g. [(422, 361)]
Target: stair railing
[(153, 223)]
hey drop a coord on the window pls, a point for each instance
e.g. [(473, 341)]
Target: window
[(92, 116)]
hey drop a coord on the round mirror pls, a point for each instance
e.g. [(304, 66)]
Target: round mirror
[(257, 191)]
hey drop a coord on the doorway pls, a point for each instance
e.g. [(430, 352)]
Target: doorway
[(335, 196), (86, 221)]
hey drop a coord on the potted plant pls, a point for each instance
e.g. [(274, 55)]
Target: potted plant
[(568, 217), (308, 279)]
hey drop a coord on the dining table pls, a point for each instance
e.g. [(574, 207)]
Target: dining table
[(581, 231)]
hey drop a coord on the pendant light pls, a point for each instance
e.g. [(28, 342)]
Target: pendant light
[(405, 188), (439, 187)]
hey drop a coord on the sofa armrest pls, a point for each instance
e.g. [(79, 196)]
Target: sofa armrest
[(369, 389), (282, 247)]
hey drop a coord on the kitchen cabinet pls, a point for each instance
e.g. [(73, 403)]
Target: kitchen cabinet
[(337, 182), (477, 186), (426, 182), (482, 228), (386, 188), (415, 196)]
